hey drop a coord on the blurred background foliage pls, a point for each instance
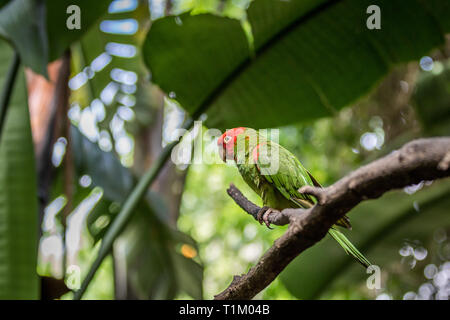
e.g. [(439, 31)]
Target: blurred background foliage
[(136, 70)]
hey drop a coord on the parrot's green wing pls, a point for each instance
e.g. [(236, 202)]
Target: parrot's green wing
[(285, 172)]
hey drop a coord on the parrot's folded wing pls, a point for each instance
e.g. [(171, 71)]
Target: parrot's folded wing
[(283, 170)]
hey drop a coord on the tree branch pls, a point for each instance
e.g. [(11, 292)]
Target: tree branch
[(418, 160)]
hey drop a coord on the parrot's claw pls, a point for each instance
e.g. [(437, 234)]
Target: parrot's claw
[(263, 215), (260, 214), (266, 216)]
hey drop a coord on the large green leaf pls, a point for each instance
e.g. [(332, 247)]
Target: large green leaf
[(311, 57), (378, 233), (18, 194), (59, 36), (22, 22), (38, 30)]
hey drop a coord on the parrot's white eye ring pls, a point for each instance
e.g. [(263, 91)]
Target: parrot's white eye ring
[(227, 139)]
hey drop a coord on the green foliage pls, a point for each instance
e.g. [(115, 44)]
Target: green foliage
[(317, 54), (60, 38), (330, 148), (416, 239), (229, 240), (18, 21), (92, 45), (151, 244), (146, 222), (432, 99), (18, 194), (38, 31)]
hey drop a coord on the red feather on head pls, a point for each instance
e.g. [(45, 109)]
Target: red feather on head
[(227, 141)]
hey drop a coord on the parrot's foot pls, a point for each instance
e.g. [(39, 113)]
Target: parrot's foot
[(263, 215)]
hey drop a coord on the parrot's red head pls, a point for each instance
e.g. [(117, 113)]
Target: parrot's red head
[(227, 143)]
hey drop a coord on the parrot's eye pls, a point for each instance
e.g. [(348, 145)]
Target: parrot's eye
[(227, 139)]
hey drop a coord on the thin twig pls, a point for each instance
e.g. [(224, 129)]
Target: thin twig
[(419, 160)]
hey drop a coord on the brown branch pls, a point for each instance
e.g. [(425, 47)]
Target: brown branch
[(419, 160), (276, 218)]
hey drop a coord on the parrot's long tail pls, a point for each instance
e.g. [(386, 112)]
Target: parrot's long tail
[(349, 247)]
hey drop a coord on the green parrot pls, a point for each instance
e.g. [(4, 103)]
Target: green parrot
[(276, 175)]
